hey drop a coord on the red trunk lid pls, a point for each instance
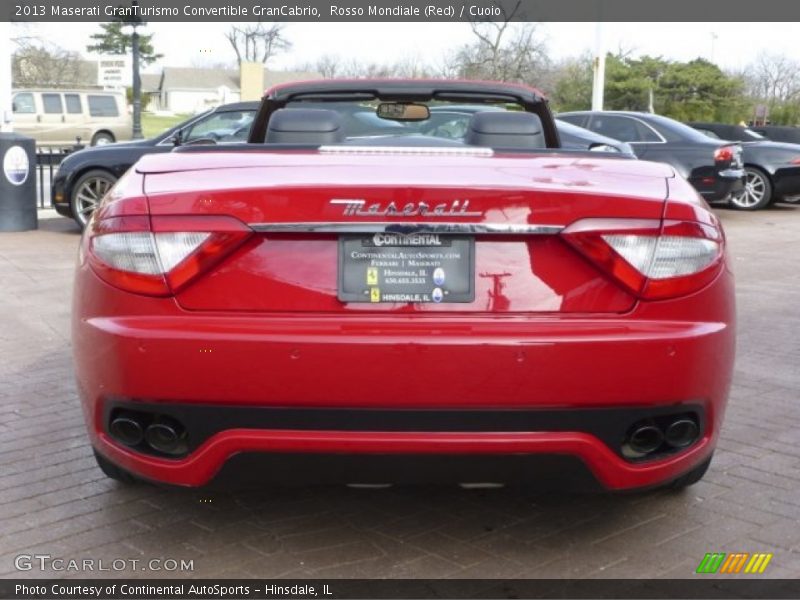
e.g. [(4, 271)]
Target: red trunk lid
[(296, 269)]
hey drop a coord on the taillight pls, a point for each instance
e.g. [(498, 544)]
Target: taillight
[(723, 154), (795, 161), (653, 260), (728, 155), (160, 256)]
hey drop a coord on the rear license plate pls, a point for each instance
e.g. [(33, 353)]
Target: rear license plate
[(416, 267)]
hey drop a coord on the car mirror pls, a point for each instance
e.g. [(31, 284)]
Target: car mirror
[(403, 111)]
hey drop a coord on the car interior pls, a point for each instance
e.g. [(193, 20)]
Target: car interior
[(314, 126)]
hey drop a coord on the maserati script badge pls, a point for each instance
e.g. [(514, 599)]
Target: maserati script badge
[(360, 208)]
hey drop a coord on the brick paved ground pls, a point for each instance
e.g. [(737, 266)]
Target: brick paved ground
[(54, 500)]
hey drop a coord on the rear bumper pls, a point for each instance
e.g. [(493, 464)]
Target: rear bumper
[(787, 182), (719, 186), (663, 356), (608, 469)]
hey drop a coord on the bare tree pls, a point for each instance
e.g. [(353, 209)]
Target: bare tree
[(774, 78), (257, 42), (502, 50), (330, 66), (37, 63), (327, 65)]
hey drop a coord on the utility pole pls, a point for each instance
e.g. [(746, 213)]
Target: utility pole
[(5, 77), (130, 29), (137, 89), (714, 37), (599, 81)]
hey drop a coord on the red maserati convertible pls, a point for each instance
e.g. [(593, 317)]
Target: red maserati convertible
[(369, 292)]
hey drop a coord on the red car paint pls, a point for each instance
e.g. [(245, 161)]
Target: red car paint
[(256, 322)]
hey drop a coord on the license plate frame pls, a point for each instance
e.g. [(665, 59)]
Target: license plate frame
[(406, 268)]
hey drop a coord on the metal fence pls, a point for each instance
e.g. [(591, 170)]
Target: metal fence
[(47, 160)]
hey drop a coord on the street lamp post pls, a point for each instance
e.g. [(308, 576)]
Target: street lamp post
[(599, 67), (137, 88), (130, 29)]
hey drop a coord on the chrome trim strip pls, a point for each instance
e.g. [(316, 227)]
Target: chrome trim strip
[(416, 227), (408, 150)]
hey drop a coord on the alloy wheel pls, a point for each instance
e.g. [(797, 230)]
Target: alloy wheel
[(88, 195), (752, 195)]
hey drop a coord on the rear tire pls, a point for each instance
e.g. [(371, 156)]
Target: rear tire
[(692, 477), (87, 193), (101, 138), (113, 471), (757, 193)]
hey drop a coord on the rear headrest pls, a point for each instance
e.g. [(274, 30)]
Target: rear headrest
[(304, 126), (517, 130)]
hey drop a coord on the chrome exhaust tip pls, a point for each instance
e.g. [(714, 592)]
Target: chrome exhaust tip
[(682, 433), (167, 437), (126, 430), (642, 441)]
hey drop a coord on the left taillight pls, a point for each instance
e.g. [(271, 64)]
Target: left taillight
[(728, 156), (158, 256), (655, 260)]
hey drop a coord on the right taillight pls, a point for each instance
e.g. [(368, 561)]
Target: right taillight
[(727, 156), (653, 259), (158, 256)]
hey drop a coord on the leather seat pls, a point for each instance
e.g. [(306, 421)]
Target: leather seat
[(311, 126), (513, 130)]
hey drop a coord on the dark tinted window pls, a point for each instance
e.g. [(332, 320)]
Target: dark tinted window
[(579, 120), (102, 106), (73, 102), (619, 128), (645, 133), (52, 104), (231, 126), (23, 103), (707, 132), (625, 129), (674, 131)]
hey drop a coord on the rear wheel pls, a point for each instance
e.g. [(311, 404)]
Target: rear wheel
[(757, 192), (113, 471), (87, 193), (691, 477), (101, 138)]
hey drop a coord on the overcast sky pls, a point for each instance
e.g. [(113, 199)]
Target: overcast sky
[(196, 44)]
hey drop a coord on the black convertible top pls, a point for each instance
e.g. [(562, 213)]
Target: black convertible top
[(406, 89)]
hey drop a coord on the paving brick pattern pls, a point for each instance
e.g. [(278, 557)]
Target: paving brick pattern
[(54, 500)]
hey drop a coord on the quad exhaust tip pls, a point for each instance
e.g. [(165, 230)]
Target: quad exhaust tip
[(163, 434), (167, 437), (646, 438), (127, 430), (682, 433)]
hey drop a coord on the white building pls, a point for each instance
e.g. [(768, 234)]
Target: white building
[(190, 90)]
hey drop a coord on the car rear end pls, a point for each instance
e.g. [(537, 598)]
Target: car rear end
[(721, 172), (375, 314)]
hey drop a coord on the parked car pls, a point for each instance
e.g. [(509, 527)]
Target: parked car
[(772, 168), (84, 177), (714, 168), (451, 122), (55, 117), (319, 305), (579, 138), (398, 307), (778, 133)]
